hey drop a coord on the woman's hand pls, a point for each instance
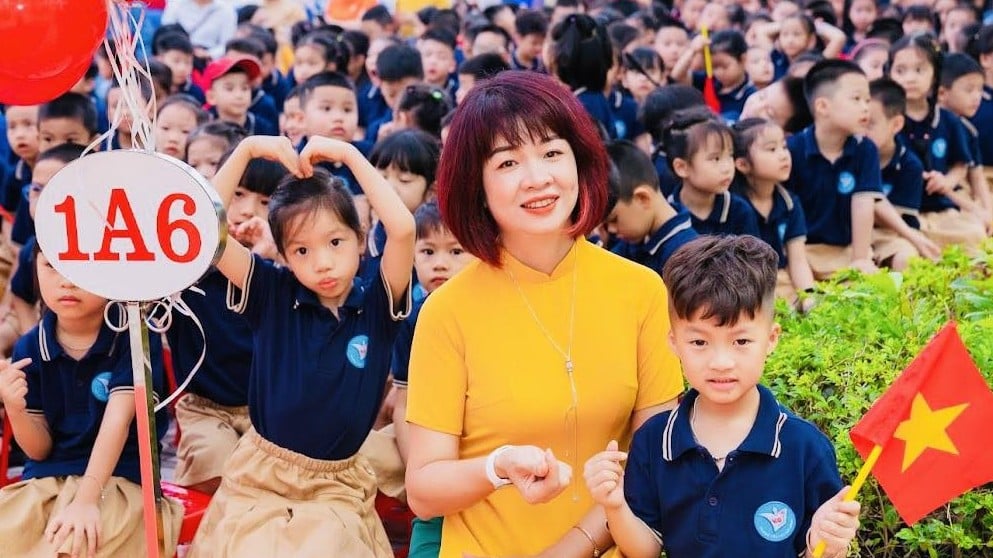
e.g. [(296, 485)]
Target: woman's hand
[(536, 473), (80, 520), (605, 476)]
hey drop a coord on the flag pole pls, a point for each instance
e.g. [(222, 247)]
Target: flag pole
[(708, 65), (870, 462)]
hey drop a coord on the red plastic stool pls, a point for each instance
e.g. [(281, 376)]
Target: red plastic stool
[(195, 503), (397, 518)]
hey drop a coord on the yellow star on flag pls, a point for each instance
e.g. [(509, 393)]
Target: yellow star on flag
[(927, 428)]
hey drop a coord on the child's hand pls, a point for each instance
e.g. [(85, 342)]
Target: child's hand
[(536, 473), (865, 265), (835, 523), (936, 183), (255, 234), (698, 42), (275, 148), (320, 149), (605, 476), (925, 245), (81, 520), (14, 384)]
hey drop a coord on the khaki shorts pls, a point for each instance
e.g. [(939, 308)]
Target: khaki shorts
[(953, 227), (887, 245), (784, 287), (27, 506), (208, 434), (381, 450), (276, 502), (826, 260)]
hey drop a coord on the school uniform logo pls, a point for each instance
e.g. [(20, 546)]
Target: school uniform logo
[(357, 349), (887, 188), (100, 386), (775, 521), (781, 230), (846, 182), (939, 148), (621, 129)]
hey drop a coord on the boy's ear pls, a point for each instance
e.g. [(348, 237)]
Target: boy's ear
[(896, 124), (773, 337), (820, 105), (743, 165), (209, 94), (681, 167), (642, 194), (942, 94)]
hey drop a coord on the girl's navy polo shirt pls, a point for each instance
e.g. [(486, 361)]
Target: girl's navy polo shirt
[(661, 245), (760, 504), (372, 105), (626, 122), (602, 111), (223, 375), (940, 143), (73, 395), (903, 183), (317, 381), (22, 282), (730, 215), (825, 189), (732, 102), (784, 223), (983, 120)]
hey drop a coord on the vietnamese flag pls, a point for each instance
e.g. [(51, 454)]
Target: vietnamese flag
[(933, 425), (709, 89)]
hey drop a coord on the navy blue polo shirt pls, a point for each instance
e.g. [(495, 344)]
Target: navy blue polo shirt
[(372, 130), (972, 142), (401, 347), (600, 108), (780, 64), (14, 183), (193, 90), (372, 105), (341, 170), (760, 504), (223, 375), (317, 381), (668, 181), (276, 86), (732, 102), (661, 245), (940, 143), (825, 189), (23, 228), (627, 125), (22, 282), (903, 183), (266, 115), (536, 65), (983, 120), (73, 395), (784, 223), (254, 125), (731, 215)]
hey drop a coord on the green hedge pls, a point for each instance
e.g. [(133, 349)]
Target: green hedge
[(834, 362)]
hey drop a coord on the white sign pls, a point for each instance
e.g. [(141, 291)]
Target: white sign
[(130, 225)]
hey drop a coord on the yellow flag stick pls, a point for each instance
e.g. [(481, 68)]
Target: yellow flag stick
[(870, 462), (708, 65)]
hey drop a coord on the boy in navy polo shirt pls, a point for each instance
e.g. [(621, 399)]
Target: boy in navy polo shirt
[(731, 80), (230, 92), (648, 228), (531, 27), (835, 170), (174, 49), (397, 66), (437, 48), (896, 237), (729, 472)]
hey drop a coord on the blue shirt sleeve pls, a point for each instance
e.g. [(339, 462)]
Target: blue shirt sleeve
[(822, 482), (796, 223), (261, 283), (743, 217), (958, 144), (868, 179), (640, 490), (402, 345), (23, 349)]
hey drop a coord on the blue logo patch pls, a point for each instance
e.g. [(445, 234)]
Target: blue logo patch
[(887, 188), (775, 521), (100, 386), (939, 148), (621, 129), (846, 182), (781, 229), (357, 349)]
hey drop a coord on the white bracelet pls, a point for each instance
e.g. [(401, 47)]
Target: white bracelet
[(496, 481)]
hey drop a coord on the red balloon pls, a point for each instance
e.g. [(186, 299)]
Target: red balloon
[(34, 91), (44, 38)]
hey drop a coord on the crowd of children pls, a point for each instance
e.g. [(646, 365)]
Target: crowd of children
[(840, 134)]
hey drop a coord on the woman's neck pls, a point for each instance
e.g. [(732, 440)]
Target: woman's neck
[(541, 253), (918, 108), (699, 202)]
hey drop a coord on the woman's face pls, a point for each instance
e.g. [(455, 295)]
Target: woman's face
[(531, 189)]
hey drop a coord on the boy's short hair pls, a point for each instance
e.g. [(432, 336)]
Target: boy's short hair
[(427, 218), (72, 106), (957, 65), (484, 65), (379, 14), (357, 41), (262, 35), (323, 79), (890, 95), (477, 30), (888, 29), (397, 62), (722, 278), (822, 79), (531, 22), (172, 41), (634, 169), (295, 93), (161, 73), (64, 153), (622, 34), (919, 13), (246, 45), (439, 35)]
